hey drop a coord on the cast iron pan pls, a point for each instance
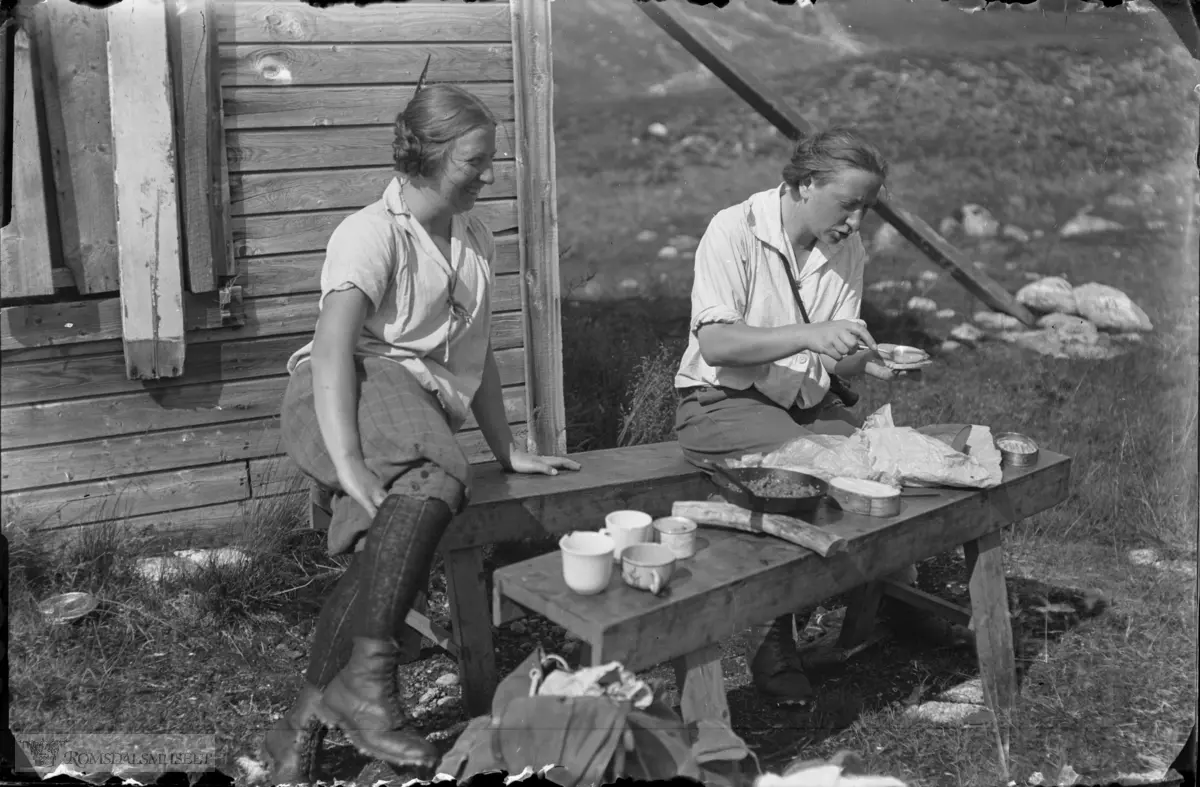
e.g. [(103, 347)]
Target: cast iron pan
[(726, 479)]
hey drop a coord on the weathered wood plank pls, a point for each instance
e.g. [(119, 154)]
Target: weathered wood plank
[(327, 189), (860, 615), (295, 22), (25, 242), (293, 273), (53, 380), (181, 407), (993, 626), (466, 585), (701, 685), (71, 40), (283, 65), (292, 233), (927, 602), (77, 322), (537, 201), (359, 105), (30, 468), (197, 94), (144, 155), (6, 34), (326, 148), (97, 501)]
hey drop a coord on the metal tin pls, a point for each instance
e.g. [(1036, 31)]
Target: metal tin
[(67, 607), (1017, 458)]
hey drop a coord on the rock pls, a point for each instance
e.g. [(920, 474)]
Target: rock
[(1110, 309), (657, 130), (517, 627), (949, 346), (1156, 225), (997, 321), (890, 284), (1120, 201), (919, 304), (1047, 295), (1036, 779), (1067, 777), (1013, 232), (630, 284), (967, 333), (1143, 557), (645, 236), (948, 227), (668, 253), (1038, 233), (157, 569), (429, 696), (444, 701), (951, 713), (970, 692), (1069, 325), (1084, 223), (684, 243), (447, 679), (886, 239), (978, 222), (945, 314), (1031, 276), (929, 277)]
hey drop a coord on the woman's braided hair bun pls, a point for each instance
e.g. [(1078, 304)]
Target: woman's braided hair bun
[(427, 127)]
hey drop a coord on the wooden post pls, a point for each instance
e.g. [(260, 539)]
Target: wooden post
[(71, 41), (25, 250), (538, 224), (152, 314), (6, 31), (195, 67), (790, 122)]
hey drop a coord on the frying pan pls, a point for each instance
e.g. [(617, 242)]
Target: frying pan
[(732, 480)]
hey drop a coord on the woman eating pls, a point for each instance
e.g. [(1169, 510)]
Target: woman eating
[(775, 333), (401, 355)]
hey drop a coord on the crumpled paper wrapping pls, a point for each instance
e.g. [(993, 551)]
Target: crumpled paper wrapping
[(608, 680)]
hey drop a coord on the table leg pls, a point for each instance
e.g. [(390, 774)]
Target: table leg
[(701, 686), (860, 615), (466, 585), (993, 627)]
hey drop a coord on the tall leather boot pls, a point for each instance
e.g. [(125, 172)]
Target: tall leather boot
[(363, 699), (775, 667)]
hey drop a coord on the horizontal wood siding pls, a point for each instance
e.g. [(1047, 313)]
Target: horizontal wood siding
[(309, 96)]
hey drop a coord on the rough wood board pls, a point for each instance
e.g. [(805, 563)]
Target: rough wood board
[(330, 189), (860, 615), (97, 501), (272, 22), (466, 585), (5, 140), (295, 65), (91, 460), (993, 627), (360, 105), (263, 150), (293, 233), (291, 274), (212, 362), (701, 684), (197, 94), (736, 579), (927, 602), (25, 243), (72, 41), (537, 201), (144, 153)]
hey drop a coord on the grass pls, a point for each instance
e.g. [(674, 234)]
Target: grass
[(221, 651)]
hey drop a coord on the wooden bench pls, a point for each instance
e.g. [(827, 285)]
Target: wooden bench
[(736, 580), (507, 507)]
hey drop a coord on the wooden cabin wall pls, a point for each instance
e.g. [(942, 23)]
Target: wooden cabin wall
[(309, 98)]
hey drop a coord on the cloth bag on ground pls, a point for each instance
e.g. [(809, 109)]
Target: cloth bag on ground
[(612, 726)]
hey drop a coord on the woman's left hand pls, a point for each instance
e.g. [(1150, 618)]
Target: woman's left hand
[(880, 372), (525, 462)]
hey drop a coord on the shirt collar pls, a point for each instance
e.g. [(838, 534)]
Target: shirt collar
[(765, 216), (393, 199)]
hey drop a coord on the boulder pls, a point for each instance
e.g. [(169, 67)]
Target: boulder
[(978, 222), (997, 321), (1048, 295), (1110, 309)]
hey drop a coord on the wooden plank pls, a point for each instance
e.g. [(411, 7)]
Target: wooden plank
[(859, 622), (927, 602), (292, 233), (779, 114), (537, 198), (466, 585), (91, 460), (117, 498), (295, 22), (358, 105), (286, 65), (71, 40), (327, 189), (70, 378), (701, 685), (152, 324), (739, 579), (92, 321), (25, 242), (6, 33), (295, 273), (263, 150), (993, 627), (197, 94)]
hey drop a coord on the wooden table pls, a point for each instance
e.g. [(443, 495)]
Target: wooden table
[(736, 580)]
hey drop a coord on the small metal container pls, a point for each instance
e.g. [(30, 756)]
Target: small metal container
[(67, 607), (1016, 450)]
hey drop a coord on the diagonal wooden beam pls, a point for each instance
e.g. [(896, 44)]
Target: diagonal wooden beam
[(790, 122)]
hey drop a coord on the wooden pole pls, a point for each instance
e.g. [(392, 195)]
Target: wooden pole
[(794, 126), (538, 224)]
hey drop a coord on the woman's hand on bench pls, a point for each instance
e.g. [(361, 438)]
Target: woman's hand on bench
[(524, 462)]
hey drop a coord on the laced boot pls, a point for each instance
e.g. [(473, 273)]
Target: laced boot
[(293, 743), (776, 668)]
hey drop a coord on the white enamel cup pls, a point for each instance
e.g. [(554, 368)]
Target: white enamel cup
[(587, 562), (627, 528)]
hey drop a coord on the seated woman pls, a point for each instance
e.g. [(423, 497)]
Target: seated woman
[(400, 355), (775, 329)]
